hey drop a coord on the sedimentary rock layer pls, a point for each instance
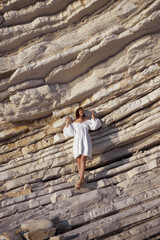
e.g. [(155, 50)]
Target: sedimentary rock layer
[(56, 55)]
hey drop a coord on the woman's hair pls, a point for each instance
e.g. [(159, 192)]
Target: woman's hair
[(77, 112)]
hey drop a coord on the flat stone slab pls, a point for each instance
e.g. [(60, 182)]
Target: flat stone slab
[(40, 234), (35, 224)]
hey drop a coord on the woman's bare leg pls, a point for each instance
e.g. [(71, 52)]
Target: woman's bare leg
[(82, 167), (79, 163)]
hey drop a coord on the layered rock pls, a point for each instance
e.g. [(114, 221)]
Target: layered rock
[(56, 56)]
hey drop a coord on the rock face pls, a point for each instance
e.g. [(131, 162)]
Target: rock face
[(36, 224), (56, 55)]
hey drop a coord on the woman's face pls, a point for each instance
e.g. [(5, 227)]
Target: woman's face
[(81, 113)]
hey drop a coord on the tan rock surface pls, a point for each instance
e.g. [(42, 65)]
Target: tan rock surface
[(35, 224), (54, 57)]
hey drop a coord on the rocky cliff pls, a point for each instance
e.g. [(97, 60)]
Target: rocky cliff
[(56, 55)]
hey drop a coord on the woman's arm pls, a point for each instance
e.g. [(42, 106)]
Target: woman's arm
[(93, 114), (68, 130), (67, 121), (94, 123)]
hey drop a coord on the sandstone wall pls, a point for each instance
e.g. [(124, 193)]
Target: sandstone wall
[(56, 55)]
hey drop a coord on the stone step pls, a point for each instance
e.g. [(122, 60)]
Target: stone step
[(108, 225)]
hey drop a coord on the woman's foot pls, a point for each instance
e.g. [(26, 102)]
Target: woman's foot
[(79, 184), (83, 181)]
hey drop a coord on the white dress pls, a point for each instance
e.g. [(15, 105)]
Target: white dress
[(82, 141)]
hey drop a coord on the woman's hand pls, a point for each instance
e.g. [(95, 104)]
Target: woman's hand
[(93, 114), (67, 121)]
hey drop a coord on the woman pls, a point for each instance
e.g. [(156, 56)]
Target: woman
[(82, 147)]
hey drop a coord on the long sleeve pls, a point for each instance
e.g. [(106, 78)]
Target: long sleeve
[(69, 131), (94, 124)]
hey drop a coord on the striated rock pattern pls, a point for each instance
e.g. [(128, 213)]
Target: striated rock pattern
[(56, 55)]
